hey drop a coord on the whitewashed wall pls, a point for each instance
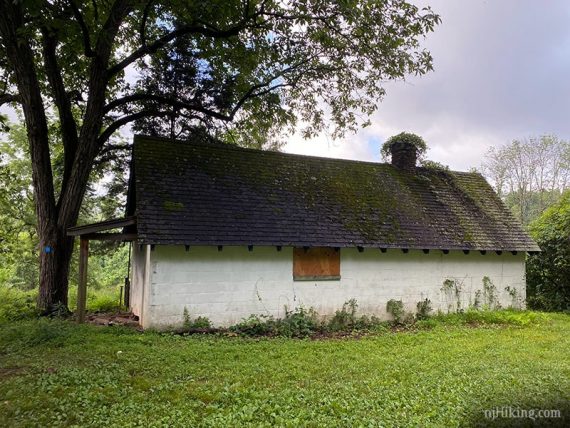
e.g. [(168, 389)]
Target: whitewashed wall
[(138, 271), (230, 285)]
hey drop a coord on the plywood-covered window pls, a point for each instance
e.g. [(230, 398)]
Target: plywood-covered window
[(317, 263)]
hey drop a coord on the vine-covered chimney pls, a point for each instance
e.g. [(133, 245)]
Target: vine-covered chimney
[(404, 155)]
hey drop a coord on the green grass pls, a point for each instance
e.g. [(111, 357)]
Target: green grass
[(57, 373), (16, 304)]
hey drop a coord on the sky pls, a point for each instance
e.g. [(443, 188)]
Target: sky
[(501, 72)]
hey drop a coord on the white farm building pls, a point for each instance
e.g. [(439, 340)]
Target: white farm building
[(225, 232)]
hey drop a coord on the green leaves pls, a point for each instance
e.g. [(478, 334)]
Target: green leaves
[(548, 273), (322, 63)]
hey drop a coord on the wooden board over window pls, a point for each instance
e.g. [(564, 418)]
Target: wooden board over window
[(317, 263)]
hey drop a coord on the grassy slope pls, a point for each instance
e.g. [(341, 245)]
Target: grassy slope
[(55, 373)]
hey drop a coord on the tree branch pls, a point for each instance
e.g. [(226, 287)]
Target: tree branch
[(10, 98), (196, 28), (61, 98), (110, 130), (142, 31), (119, 102), (84, 30)]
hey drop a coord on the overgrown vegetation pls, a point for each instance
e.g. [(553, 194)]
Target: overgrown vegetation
[(396, 309), (548, 273), (423, 309), (56, 373), (17, 304), (303, 322)]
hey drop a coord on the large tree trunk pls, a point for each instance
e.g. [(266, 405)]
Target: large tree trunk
[(55, 257)]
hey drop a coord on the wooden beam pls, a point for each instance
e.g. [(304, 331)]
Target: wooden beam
[(103, 225), (110, 236), (82, 288)]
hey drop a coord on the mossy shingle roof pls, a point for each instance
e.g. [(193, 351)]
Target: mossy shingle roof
[(208, 194)]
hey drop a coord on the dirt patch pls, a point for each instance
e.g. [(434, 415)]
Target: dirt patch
[(126, 319)]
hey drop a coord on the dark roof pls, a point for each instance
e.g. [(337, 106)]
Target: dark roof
[(211, 194)]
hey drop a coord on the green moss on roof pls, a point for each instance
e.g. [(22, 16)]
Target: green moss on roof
[(196, 193)]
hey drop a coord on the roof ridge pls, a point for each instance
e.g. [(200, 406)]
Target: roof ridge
[(227, 146)]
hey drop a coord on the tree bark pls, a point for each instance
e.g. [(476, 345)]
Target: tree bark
[(54, 272)]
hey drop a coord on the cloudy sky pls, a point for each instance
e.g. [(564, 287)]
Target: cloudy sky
[(502, 72)]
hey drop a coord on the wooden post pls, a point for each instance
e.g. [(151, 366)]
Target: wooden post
[(82, 289)]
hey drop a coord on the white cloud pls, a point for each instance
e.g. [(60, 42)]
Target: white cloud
[(501, 72)]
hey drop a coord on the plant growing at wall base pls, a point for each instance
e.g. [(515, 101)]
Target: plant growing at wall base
[(452, 289), (516, 300), (423, 309), (344, 318), (490, 296), (199, 323), (396, 309), (300, 322)]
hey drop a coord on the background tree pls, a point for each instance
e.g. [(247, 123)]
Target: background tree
[(256, 63), (548, 272), (529, 174)]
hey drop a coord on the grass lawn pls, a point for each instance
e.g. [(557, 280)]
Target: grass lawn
[(57, 373)]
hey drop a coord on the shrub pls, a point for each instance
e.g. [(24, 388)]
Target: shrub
[(255, 325), (345, 318), (424, 309), (196, 323), (300, 322), (396, 309)]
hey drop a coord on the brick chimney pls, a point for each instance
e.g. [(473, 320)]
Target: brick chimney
[(404, 156)]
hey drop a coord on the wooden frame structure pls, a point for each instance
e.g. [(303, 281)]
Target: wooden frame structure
[(95, 231)]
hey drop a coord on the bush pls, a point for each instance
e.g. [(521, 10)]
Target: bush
[(548, 272), (300, 322), (396, 309), (200, 323), (256, 325), (424, 309), (345, 318)]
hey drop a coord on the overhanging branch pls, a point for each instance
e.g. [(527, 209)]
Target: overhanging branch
[(9, 98)]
